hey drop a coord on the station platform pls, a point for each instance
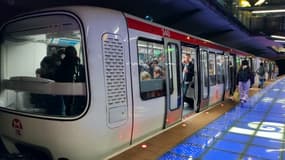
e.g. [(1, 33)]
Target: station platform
[(228, 131)]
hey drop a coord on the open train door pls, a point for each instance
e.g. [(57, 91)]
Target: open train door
[(173, 81), (191, 97)]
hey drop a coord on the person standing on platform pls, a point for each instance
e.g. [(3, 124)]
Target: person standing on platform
[(276, 72), (243, 78), (261, 75)]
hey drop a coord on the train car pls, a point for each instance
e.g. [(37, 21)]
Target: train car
[(81, 82)]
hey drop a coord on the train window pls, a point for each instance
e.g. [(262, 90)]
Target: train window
[(238, 62), (173, 53), (220, 68), (172, 60), (212, 68), (232, 73), (151, 59), (204, 73), (42, 66), (227, 71)]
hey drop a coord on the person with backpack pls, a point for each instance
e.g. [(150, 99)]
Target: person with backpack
[(243, 79), (261, 73)]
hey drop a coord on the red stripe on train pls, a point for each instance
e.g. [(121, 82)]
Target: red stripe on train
[(145, 27)]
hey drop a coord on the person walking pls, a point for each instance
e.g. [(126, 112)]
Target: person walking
[(243, 79)]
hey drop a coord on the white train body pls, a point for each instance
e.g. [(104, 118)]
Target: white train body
[(115, 114)]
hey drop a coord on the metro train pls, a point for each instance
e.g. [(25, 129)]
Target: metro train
[(112, 107)]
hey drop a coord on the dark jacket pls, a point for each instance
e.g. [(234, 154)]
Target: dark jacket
[(189, 76), (244, 75), (67, 70)]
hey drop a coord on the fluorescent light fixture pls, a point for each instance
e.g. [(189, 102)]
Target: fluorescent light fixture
[(269, 11), (259, 2), (278, 37)]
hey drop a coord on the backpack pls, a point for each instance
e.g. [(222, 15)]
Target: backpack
[(261, 71), (243, 75)]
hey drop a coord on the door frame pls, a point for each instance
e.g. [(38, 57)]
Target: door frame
[(174, 95), (204, 102)]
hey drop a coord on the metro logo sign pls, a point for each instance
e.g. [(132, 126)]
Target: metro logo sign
[(17, 125)]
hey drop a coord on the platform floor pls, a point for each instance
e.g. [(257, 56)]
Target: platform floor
[(254, 130)]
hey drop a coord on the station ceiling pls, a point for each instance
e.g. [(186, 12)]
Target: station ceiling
[(203, 18)]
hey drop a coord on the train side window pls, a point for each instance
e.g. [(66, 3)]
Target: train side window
[(212, 68), (151, 58), (220, 68), (49, 78)]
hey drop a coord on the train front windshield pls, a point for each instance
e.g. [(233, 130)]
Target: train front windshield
[(42, 66)]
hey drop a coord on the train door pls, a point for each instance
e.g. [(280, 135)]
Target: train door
[(227, 76), (149, 91), (173, 81), (216, 71), (189, 80), (232, 74), (238, 63), (204, 78)]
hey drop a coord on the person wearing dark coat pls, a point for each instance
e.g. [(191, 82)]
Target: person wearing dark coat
[(187, 72), (69, 66), (187, 75), (243, 77), (68, 71)]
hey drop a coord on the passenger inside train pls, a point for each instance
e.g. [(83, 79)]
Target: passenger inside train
[(151, 69), (187, 76), (60, 66)]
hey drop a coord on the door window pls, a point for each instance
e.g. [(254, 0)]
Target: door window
[(151, 58), (220, 68), (212, 69), (204, 73)]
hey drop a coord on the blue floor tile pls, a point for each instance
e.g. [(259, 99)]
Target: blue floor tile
[(209, 132), (268, 143), (251, 158), (218, 126), (278, 111), (201, 141), (236, 137), (230, 146), (275, 119), (253, 117), (258, 113), (214, 154), (187, 150), (242, 125), (171, 156), (260, 109), (264, 153)]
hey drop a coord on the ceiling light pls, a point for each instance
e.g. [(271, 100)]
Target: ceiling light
[(259, 2), (278, 37), (244, 3), (269, 11)]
